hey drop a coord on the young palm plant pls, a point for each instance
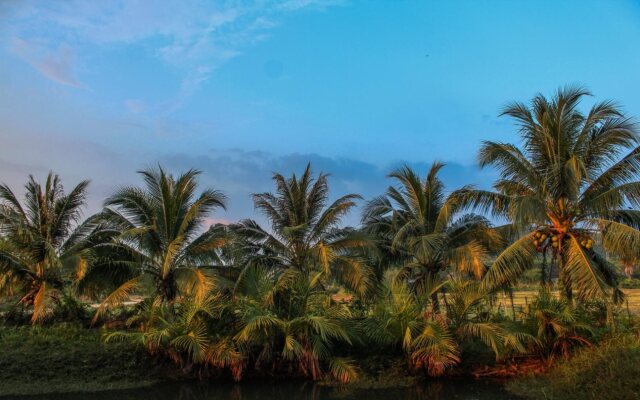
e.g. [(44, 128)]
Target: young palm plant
[(569, 185), (305, 233), (46, 247), (433, 342), (161, 239), (419, 228), (289, 322), (400, 318), (557, 326), (184, 334)]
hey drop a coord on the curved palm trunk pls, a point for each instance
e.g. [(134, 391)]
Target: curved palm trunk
[(544, 273), (565, 281), (434, 297)]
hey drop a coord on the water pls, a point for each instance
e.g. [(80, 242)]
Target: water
[(439, 390)]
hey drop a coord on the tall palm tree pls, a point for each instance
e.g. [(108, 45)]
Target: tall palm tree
[(571, 183), (305, 232), (161, 238), (419, 228), (46, 246)]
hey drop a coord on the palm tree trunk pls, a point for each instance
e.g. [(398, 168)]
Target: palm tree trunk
[(513, 306), (436, 303), (543, 270), (169, 290), (565, 281)]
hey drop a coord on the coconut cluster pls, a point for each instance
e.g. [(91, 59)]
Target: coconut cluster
[(544, 238)]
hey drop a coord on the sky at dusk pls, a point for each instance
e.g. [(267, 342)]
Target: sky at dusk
[(239, 89)]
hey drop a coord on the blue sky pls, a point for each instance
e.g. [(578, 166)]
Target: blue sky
[(239, 89)]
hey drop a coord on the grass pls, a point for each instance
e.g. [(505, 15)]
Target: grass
[(609, 370), (67, 358)]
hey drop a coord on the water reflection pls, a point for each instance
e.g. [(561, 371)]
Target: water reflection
[(439, 390)]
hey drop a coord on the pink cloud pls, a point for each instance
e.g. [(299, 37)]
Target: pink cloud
[(135, 106), (56, 65), (212, 221)]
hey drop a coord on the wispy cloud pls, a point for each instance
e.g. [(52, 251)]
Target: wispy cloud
[(134, 106), (239, 173), (195, 37), (55, 64)]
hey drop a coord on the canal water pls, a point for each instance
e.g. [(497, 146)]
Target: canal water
[(435, 390)]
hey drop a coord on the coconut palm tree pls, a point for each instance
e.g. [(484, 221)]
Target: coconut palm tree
[(419, 228), (400, 318), (288, 321), (45, 245), (161, 240), (184, 334), (569, 185), (434, 342), (305, 232), (556, 325)]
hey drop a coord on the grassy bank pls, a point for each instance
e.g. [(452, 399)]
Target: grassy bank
[(610, 369), (69, 359)]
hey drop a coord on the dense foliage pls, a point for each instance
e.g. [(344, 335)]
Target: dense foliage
[(306, 296)]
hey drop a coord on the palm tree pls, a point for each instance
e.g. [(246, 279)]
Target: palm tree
[(286, 315), (556, 325), (289, 322), (45, 246), (161, 239), (400, 319), (419, 228), (434, 342), (305, 232), (569, 184), (184, 335)]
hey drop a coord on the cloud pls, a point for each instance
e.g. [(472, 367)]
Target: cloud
[(196, 37), (236, 172), (55, 64), (135, 106), (239, 173), (73, 158), (298, 4)]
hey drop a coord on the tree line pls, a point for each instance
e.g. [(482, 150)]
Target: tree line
[(419, 276)]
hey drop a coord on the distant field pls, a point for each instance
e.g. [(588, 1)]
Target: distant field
[(522, 298)]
